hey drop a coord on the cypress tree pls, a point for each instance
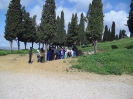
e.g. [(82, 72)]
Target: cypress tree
[(113, 31), (105, 35), (60, 36), (33, 29), (116, 37), (130, 19), (81, 32), (13, 21), (120, 34), (48, 23), (57, 37), (109, 35), (63, 32), (49, 20), (123, 34), (73, 30), (28, 29), (95, 22), (69, 39)]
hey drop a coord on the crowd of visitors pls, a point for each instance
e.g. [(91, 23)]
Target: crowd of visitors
[(54, 53)]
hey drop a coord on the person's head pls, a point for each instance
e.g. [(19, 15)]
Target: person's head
[(30, 47)]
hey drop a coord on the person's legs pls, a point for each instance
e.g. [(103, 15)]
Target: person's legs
[(29, 59), (38, 58), (74, 53)]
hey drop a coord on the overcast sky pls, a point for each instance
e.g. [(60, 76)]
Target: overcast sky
[(114, 10)]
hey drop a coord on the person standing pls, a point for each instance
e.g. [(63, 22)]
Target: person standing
[(38, 54), (30, 55), (74, 48), (51, 48), (42, 55)]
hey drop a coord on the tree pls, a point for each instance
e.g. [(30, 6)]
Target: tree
[(58, 32), (130, 19), (28, 28), (48, 23), (63, 32), (123, 34), (60, 37), (73, 30), (94, 19), (120, 34), (69, 40), (105, 35), (33, 29), (13, 21), (81, 32), (113, 31), (116, 37)]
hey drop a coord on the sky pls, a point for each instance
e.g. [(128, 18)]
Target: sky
[(113, 10)]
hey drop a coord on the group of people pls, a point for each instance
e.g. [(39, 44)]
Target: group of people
[(61, 52), (54, 53)]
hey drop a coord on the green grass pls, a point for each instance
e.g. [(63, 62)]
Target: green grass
[(113, 58), (21, 52), (116, 44)]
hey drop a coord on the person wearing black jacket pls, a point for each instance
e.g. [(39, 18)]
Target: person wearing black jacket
[(30, 55), (74, 48), (51, 48)]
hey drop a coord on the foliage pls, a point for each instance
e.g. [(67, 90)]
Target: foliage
[(13, 21), (72, 34), (60, 37), (95, 22), (81, 31), (115, 58), (130, 19), (113, 31), (48, 22)]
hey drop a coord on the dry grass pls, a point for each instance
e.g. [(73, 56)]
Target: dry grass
[(19, 63)]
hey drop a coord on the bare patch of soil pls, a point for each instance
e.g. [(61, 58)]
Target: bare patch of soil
[(19, 63)]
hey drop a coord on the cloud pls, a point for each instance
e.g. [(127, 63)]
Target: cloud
[(4, 4), (26, 2), (81, 4), (119, 17), (36, 10), (108, 6), (121, 6)]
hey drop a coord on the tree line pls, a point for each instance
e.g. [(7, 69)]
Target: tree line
[(23, 28)]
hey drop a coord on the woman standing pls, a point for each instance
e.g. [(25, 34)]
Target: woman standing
[(42, 55)]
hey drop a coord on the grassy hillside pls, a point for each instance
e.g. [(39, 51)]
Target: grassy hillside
[(114, 57)]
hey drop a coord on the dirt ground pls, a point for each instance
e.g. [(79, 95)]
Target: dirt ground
[(19, 63), (55, 80)]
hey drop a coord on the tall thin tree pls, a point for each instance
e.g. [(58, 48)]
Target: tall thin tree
[(95, 22), (48, 22), (13, 21), (130, 19)]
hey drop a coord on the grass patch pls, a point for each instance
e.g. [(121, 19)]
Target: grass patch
[(114, 57), (21, 52), (112, 62)]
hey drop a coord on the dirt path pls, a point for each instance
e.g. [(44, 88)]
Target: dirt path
[(54, 80)]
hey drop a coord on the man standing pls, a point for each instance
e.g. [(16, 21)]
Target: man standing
[(30, 55), (74, 48), (51, 48)]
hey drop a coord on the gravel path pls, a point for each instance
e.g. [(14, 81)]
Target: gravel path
[(64, 86)]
